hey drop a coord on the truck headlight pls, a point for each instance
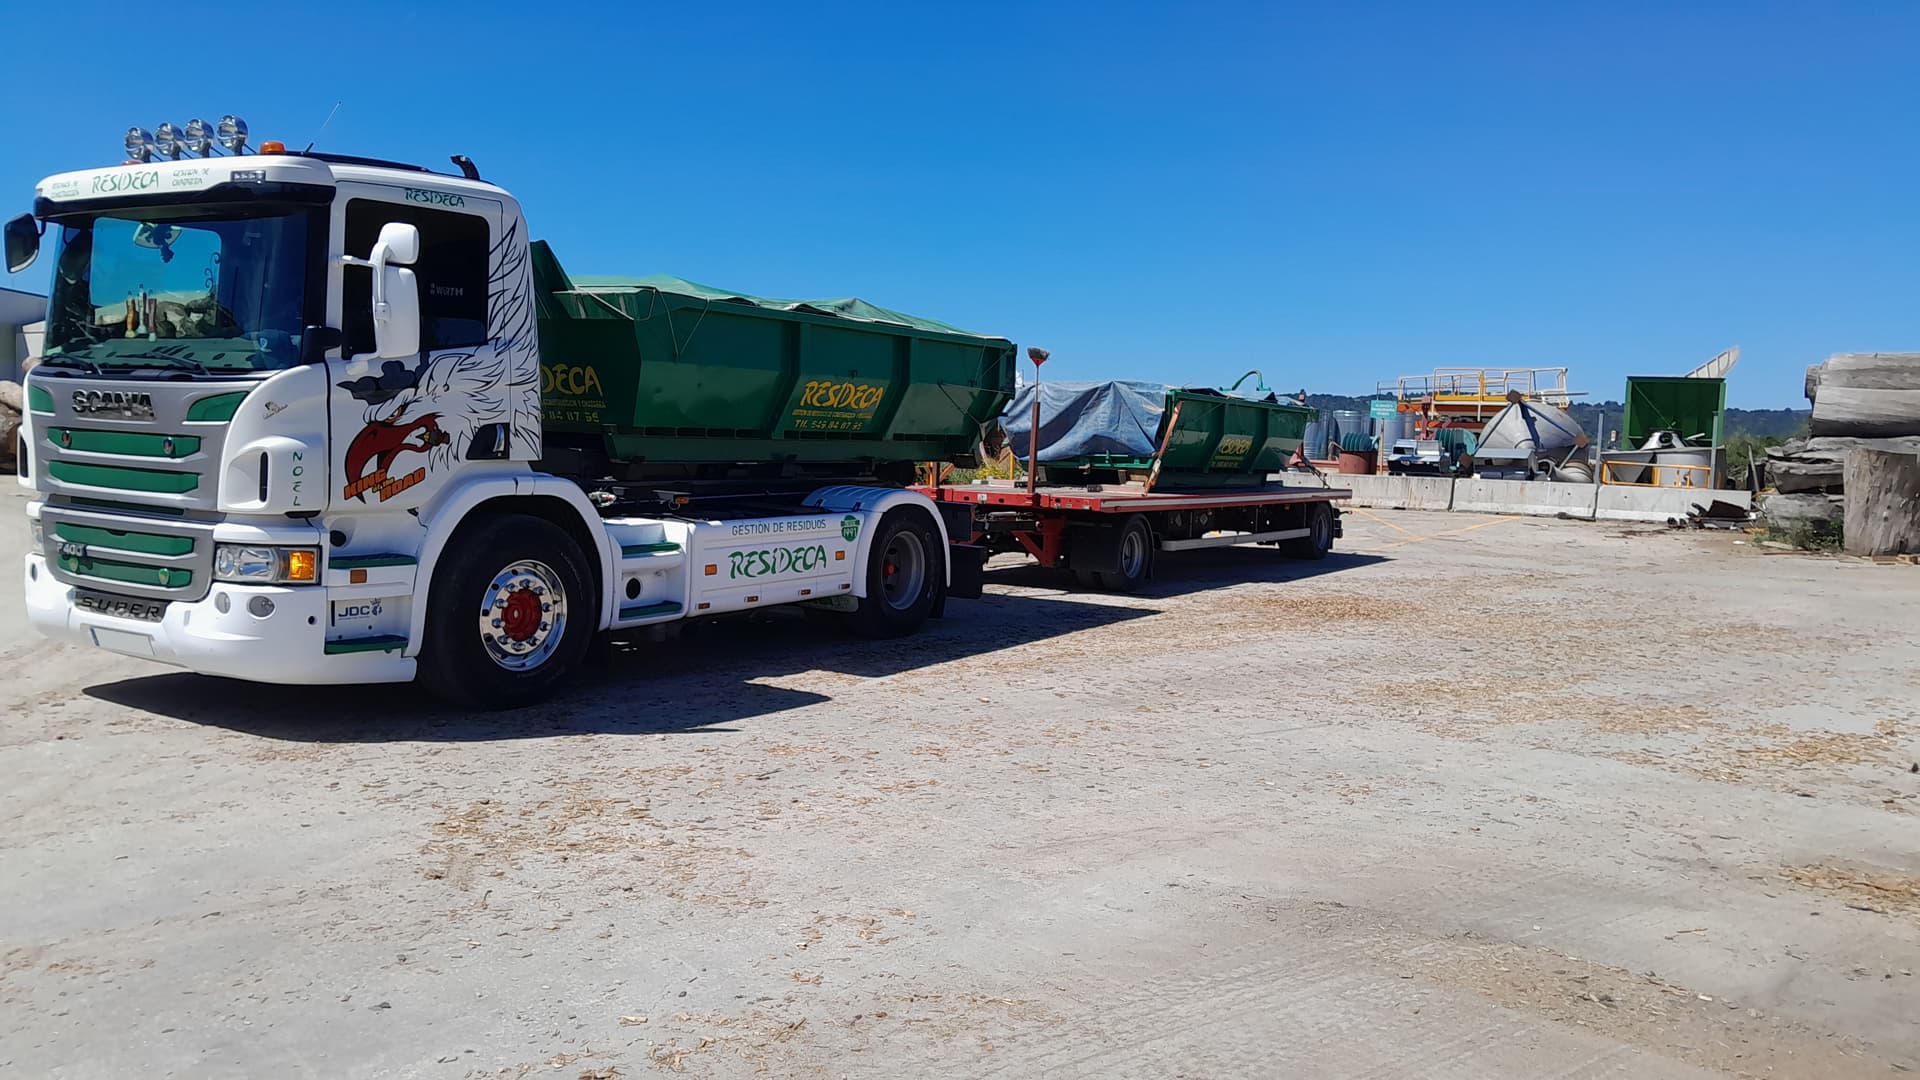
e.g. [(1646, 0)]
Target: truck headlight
[(266, 565), (37, 534)]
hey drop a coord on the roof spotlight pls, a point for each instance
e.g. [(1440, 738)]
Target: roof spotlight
[(167, 140), (139, 144), (233, 133), (200, 137)]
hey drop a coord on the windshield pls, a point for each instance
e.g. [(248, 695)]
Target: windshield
[(201, 288)]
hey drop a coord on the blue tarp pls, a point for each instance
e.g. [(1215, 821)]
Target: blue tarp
[(1083, 419)]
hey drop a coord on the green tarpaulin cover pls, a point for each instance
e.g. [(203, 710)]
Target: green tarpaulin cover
[(550, 277), (846, 307)]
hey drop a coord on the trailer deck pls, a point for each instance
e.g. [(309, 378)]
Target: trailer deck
[(1124, 498), (1106, 532)]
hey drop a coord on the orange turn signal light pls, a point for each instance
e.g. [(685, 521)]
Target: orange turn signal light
[(302, 565)]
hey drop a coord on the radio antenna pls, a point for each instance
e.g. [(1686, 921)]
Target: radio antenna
[(323, 128)]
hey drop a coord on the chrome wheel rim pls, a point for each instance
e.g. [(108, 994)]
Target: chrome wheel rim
[(1133, 554), (903, 571), (523, 615)]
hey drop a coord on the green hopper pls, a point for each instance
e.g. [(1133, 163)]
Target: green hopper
[(664, 371)]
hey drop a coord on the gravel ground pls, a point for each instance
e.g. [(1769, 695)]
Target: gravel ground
[(1475, 797)]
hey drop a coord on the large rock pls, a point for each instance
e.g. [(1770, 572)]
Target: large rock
[(1873, 371), (1787, 511), (1866, 394), (1803, 465), (9, 423)]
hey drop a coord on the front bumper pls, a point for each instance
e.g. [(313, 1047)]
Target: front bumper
[(286, 646)]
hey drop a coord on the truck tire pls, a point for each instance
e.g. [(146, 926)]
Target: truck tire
[(510, 614), (904, 576), (1319, 538), (1136, 556)]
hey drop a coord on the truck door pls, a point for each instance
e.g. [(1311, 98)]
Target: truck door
[(403, 426)]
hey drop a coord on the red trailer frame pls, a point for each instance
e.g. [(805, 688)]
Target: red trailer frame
[(1041, 522)]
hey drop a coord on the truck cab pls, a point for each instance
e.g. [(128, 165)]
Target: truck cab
[(285, 428)]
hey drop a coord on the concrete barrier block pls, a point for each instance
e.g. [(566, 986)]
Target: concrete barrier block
[(1535, 498), (1398, 492), (1621, 503)]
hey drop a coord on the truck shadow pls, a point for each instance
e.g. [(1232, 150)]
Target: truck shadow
[(710, 675), (701, 680), (1180, 573)]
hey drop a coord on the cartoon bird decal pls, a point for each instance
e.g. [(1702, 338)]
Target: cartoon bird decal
[(434, 409)]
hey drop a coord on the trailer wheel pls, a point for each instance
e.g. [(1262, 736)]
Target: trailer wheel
[(510, 613), (1319, 538), (1136, 557), (903, 577)]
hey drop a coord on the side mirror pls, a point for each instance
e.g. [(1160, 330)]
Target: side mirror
[(400, 241), (396, 296), (23, 243), (396, 312)]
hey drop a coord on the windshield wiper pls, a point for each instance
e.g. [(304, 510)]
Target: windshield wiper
[(69, 360), (177, 357)]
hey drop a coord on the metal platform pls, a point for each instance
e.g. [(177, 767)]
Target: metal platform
[(1125, 498)]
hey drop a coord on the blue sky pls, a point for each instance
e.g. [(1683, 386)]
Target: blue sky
[(1334, 194)]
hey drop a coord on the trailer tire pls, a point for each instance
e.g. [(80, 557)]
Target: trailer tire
[(904, 576), (1319, 538), (525, 578), (1135, 549)]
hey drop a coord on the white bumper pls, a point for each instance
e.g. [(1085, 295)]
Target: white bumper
[(286, 646)]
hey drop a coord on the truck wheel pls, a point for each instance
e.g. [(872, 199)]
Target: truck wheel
[(510, 613), (903, 577), (1136, 557), (1319, 538)]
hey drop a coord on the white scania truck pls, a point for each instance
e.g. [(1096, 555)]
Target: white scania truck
[(306, 418)]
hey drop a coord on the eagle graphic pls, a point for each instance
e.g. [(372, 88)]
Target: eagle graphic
[(437, 407)]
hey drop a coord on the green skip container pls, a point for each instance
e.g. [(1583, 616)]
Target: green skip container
[(1230, 439), (1097, 432), (664, 371)]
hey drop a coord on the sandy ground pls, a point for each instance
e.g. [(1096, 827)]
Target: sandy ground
[(1476, 797)]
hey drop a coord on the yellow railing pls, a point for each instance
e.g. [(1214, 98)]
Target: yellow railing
[(1489, 384), (1691, 476)]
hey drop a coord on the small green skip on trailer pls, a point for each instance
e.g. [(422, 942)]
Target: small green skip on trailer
[(1179, 436), (657, 370)]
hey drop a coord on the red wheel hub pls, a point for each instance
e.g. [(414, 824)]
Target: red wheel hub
[(522, 615)]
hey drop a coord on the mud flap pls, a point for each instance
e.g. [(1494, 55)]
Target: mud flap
[(1093, 548), (969, 564)]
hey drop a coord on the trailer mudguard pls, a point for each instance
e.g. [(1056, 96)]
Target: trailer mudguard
[(875, 502)]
